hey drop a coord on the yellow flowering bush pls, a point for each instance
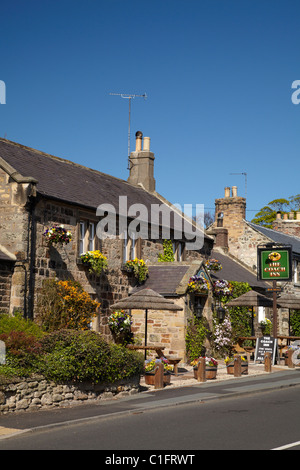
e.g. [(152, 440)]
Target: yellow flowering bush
[(65, 304), (95, 260)]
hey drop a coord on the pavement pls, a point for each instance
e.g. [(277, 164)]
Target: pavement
[(183, 389)]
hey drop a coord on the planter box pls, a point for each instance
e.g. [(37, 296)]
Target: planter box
[(150, 378), (230, 369), (210, 372)]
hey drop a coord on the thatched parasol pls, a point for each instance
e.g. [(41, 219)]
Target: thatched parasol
[(146, 299), (251, 299)]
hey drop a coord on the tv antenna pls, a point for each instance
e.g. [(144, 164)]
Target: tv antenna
[(245, 174), (129, 98)]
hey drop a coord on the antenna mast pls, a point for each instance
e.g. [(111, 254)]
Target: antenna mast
[(129, 98), (245, 174)]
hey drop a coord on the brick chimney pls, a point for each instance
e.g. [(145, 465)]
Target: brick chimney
[(231, 212), (142, 164)]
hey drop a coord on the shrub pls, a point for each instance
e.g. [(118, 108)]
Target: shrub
[(64, 304), (85, 356), (295, 322), (17, 322), (195, 337), (22, 352)]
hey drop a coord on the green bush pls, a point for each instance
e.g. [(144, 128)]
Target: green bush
[(195, 338), (17, 322), (295, 322), (84, 356)]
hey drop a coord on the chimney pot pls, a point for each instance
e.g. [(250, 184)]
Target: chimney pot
[(138, 141), (227, 192), (147, 144), (234, 191), (278, 215)]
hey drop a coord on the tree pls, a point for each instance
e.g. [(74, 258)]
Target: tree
[(266, 216)]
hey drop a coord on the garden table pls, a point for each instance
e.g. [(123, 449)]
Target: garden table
[(158, 349)]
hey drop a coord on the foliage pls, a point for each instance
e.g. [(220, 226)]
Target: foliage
[(222, 289), (266, 216), (57, 234), (139, 269), (266, 326), (22, 352), (240, 317), (84, 356), (198, 284), (295, 322), (168, 255), (64, 304), (151, 364), (197, 332), (96, 261), (16, 322), (230, 359)]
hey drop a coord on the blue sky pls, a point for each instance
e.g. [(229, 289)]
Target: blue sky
[(217, 73)]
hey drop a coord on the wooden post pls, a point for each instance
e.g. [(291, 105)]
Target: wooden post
[(291, 365), (237, 367), (201, 373), (268, 362), (274, 309), (159, 376)]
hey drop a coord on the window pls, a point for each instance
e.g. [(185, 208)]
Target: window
[(178, 250), (131, 247), (296, 271), (86, 236)]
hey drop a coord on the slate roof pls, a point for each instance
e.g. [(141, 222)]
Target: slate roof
[(169, 279), (233, 271), (278, 237), (70, 182)]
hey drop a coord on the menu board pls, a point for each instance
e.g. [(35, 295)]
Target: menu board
[(266, 344)]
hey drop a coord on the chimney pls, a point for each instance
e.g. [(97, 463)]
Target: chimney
[(232, 211), (142, 164)]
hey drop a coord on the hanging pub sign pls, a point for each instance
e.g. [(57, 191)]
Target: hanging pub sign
[(274, 262)]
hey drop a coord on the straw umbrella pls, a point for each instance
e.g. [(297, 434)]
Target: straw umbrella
[(146, 299)]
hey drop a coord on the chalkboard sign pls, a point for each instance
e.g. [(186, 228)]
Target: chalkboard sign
[(266, 344)]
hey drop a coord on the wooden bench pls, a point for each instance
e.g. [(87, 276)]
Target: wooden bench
[(245, 350)]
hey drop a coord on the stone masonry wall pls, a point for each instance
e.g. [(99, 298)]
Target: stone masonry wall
[(37, 393), (6, 272)]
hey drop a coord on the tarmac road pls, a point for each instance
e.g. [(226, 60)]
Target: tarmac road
[(253, 413)]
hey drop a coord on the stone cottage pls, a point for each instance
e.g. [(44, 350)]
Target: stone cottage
[(240, 238), (38, 190)]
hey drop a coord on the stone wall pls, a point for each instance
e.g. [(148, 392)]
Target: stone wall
[(6, 272), (37, 393)]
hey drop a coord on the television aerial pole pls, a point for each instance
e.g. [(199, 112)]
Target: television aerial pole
[(245, 174), (129, 98)]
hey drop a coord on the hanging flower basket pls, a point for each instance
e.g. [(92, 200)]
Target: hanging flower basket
[(95, 260), (222, 288), (139, 269), (56, 235), (266, 327), (198, 284), (213, 265)]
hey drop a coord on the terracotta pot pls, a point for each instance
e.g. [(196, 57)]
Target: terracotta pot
[(150, 380)]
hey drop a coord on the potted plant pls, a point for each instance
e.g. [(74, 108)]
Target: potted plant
[(213, 265), (211, 367), (229, 361), (222, 288), (95, 260), (119, 323), (150, 368), (57, 234), (198, 284), (138, 267), (266, 327)]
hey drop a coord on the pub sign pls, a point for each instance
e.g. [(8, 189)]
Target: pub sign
[(274, 263)]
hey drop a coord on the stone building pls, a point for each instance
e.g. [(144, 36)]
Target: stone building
[(38, 190), (240, 238)]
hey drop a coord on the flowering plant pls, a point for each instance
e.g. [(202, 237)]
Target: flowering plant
[(198, 284), (96, 261), (151, 364), (213, 265), (209, 361), (119, 322), (223, 288), (57, 234), (229, 359), (222, 335), (138, 267), (266, 326)]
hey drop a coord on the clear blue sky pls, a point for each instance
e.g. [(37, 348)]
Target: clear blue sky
[(217, 73)]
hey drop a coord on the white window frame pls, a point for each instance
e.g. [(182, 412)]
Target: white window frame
[(87, 231)]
